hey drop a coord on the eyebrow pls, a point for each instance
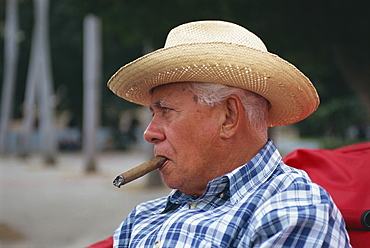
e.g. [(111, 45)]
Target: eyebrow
[(158, 103)]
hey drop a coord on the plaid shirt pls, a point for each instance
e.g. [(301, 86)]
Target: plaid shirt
[(263, 203)]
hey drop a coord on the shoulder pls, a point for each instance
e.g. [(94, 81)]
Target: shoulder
[(293, 187), (291, 197), (296, 207)]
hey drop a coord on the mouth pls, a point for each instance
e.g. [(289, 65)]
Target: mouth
[(164, 164)]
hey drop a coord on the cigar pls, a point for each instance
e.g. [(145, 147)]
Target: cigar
[(138, 171)]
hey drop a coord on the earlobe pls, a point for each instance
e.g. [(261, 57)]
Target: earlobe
[(233, 110)]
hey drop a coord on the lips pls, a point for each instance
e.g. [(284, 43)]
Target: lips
[(164, 164), (160, 152)]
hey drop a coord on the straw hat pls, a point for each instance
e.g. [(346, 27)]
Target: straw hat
[(224, 53)]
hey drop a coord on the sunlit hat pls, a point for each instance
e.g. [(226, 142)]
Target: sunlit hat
[(224, 53)]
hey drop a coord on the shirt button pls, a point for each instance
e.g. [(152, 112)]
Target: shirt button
[(157, 243), (192, 205), (222, 195)]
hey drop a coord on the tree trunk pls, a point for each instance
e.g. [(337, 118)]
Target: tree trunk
[(46, 106), (39, 83), (92, 78), (10, 66)]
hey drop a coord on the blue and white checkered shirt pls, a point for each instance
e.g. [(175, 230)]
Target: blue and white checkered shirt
[(263, 203)]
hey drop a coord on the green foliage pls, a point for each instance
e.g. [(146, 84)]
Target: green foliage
[(334, 118)]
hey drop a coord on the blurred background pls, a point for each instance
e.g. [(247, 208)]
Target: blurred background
[(65, 135)]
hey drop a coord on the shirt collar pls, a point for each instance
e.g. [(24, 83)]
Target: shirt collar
[(247, 178), (239, 182)]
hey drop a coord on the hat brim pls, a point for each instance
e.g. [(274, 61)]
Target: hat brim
[(291, 94)]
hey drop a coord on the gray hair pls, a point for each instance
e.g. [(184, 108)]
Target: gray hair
[(255, 106)]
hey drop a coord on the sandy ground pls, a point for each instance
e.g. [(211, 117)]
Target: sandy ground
[(62, 206)]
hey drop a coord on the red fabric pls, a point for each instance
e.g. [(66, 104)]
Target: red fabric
[(359, 239), (345, 174), (107, 243)]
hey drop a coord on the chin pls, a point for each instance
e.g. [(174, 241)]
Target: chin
[(170, 184)]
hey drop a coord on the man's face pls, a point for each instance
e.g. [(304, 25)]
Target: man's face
[(187, 134)]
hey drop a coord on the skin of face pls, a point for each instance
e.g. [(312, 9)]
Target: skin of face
[(188, 135)]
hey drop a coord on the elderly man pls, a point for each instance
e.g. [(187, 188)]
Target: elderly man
[(213, 91)]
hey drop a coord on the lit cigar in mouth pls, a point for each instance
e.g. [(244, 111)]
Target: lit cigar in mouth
[(139, 171)]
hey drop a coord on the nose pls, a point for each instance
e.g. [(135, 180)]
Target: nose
[(154, 133)]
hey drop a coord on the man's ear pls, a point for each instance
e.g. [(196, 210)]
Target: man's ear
[(233, 114)]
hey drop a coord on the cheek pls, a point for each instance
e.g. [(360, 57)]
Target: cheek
[(193, 134)]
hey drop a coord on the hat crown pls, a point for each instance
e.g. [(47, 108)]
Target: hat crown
[(213, 32)]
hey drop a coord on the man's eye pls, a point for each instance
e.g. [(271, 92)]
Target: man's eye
[(165, 110)]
